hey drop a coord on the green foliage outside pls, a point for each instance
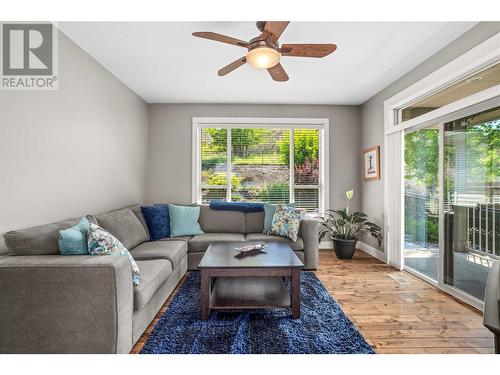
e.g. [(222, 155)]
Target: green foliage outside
[(221, 179), (255, 147), (276, 192), (421, 168), (483, 154), (306, 145), (258, 159), (421, 225), (210, 159), (219, 140), (241, 139), (422, 157)]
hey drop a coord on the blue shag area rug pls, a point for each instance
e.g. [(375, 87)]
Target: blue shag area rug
[(322, 329)]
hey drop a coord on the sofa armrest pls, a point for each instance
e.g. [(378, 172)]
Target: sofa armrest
[(309, 232), (65, 304)]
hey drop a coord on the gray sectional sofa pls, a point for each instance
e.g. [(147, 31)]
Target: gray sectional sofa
[(51, 303)]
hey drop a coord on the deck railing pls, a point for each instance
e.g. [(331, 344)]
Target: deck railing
[(483, 228)]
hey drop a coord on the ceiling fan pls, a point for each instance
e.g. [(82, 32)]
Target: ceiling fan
[(264, 51)]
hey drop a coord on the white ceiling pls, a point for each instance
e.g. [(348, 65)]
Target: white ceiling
[(163, 63)]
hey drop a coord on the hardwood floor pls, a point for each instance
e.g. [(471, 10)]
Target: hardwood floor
[(393, 317), (402, 318)]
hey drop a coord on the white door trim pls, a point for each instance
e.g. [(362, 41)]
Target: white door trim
[(476, 59)]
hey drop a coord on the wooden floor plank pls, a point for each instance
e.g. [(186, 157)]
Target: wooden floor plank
[(394, 318)]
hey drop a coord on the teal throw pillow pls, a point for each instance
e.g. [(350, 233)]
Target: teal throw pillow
[(269, 210), (184, 220), (73, 241)]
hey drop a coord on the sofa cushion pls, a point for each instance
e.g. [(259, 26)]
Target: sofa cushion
[(180, 238), (154, 273), (200, 242), (214, 221), (173, 251), (295, 245), (41, 240), (254, 222), (124, 225)]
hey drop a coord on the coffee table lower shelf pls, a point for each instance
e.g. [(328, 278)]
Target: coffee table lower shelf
[(249, 293)]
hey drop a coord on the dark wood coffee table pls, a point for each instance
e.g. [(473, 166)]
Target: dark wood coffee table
[(230, 280)]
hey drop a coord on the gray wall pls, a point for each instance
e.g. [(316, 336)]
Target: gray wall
[(372, 111), (170, 133), (76, 150)]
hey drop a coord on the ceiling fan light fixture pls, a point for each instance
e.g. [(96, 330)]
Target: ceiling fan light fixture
[(264, 51), (263, 57)]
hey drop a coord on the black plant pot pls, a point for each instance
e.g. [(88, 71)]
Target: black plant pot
[(344, 249)]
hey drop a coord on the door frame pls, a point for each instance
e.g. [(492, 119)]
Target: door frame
[(476, 59)]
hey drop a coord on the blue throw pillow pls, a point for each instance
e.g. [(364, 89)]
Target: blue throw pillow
[(184, 220), (73, 241), (269, 210), (157, 220)]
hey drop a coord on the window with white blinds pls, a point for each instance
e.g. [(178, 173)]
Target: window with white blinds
[(274, 164)]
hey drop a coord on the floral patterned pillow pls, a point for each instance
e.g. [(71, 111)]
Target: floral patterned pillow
[(101, 242), (286, 222)]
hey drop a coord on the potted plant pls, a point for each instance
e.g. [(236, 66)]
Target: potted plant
[(346, 229)]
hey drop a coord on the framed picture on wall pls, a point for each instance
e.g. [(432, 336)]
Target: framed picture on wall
[(371, 163)]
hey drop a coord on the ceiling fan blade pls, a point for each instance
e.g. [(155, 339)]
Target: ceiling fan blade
[(275, 28), (278, 73), (230, 67), (307, 50), (221, 38)]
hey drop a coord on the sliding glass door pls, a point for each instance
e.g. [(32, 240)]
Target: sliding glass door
[(452, 202), (471, 200), (421, 202)]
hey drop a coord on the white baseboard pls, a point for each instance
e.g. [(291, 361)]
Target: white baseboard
[(326, 245), (380, 255)]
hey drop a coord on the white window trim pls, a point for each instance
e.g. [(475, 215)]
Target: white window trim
[(483, 55), (479, 57), (322, 124)]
